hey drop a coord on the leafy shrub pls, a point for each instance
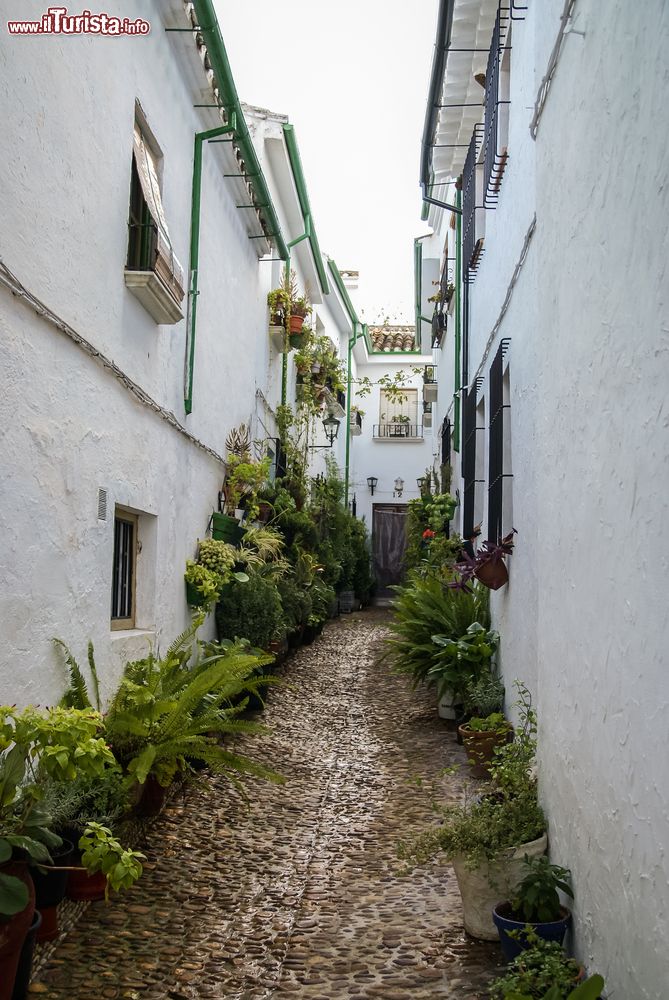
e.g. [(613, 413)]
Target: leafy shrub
[(537, 970), (424, 608), (296, 603), (250, 611)]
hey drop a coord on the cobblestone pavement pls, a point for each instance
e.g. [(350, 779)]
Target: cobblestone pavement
[(296, 892)]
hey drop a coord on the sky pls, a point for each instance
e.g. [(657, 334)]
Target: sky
[(352, 78)]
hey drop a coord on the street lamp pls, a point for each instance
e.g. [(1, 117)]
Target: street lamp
[(371, 482), (331, 428)]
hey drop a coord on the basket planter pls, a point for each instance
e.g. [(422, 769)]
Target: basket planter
[(226, 529), (346, 601), (277, 336), (481, 746), (25, 966), (481, 888), (502, 916), (14, 930), (493, 574)]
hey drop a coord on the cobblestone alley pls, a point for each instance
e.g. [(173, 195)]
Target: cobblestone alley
[(298, 891)]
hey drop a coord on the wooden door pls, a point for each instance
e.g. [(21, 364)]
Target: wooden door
[(389, 540)]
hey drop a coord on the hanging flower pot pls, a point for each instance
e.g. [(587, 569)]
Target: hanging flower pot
[(296, 324), (493, 574)]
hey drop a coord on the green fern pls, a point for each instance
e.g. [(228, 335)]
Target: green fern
[(77, 695)]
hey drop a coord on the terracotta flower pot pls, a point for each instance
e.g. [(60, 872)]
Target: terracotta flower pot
[(493, 574), (296, 324), (481, 746), (82, 886), (14, 930)]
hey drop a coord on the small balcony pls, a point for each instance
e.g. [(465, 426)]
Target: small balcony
[(430, 388), (398, 431)]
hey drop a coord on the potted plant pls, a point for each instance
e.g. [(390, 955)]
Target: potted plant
[(399, 425), (487, 564), (536, 905), (487, 837), (544, 972), (481, 737), (66, 742), (459, 661), (214, 567)]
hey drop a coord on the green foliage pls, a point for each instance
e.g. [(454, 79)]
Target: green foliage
[(296, 603), (424, 608), (77, 695), (58, 745), (102, 852), (542, 972), (460, 662), (536, 899), (509, 815), (250, 611), (167, 712), (484, 696), (214, 567), (493, 723)]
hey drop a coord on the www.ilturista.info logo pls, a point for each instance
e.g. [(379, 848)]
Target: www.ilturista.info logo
[(57, 21)]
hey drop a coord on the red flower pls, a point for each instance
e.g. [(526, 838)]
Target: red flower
[(428, 533)]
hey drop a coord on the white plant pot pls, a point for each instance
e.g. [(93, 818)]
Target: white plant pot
[(239, 514), (446, 706), (485, 886)]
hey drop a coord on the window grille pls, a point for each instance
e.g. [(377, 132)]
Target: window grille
[(495, 156), (469, 462), (472, 242), (123, 571), (446, 442), (496, 474)]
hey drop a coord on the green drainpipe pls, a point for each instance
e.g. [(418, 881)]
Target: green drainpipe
[(458, 266), (200, 139), (284, 363)]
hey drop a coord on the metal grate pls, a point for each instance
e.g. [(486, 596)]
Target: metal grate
[(496, 474), (495, 159), (398, 431), (471, 248), (102, 504), (469, 462), (123, 569)]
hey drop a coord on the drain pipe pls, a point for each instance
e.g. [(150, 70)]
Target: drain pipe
[(200, 139), (458, 267), (351, 344), (306, 235), (441, 47)]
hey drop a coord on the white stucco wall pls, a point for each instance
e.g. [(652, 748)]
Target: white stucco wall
[(68, 107), (584, 618), (386, 459)]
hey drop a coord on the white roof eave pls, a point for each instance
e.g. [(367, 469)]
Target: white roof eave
[(472, 27)]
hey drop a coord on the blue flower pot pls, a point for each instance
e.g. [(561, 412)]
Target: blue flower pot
[(512, 946)]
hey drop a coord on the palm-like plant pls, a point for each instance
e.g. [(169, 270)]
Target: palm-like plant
[(426, 607)]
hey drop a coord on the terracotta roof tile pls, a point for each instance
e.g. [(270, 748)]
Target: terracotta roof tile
[(393, 338)]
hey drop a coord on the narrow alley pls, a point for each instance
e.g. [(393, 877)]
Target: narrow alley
[(298, 890)]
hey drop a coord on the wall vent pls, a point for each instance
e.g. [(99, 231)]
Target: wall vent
[(102, 505)]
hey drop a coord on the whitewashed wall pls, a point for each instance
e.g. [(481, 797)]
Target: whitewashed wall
[(68, 107), (584, 618), (386, 459), (602, 483)]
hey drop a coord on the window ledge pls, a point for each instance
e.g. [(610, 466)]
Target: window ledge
[(147, 287)]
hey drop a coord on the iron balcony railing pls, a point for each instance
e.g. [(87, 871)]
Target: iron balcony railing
[(398, 431), (471, 247), (494, 161)]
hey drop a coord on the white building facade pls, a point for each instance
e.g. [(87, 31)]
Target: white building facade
[(134, 319), (557, 347)]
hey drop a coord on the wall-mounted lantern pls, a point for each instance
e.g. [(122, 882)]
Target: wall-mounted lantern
[(371, 482)]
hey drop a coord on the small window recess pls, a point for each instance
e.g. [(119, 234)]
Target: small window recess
[(124, 570)]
